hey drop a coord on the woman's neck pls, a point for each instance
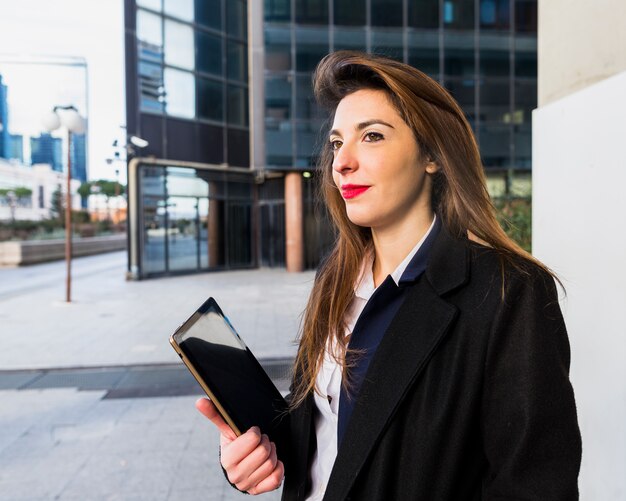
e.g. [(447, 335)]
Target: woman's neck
[(392, 245)]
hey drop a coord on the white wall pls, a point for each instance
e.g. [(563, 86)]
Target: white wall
[(579, 229)]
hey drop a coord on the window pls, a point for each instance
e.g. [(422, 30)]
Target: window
[(424, 14), (210, 99), (237, 105), (277, 10), (237, 61), (179, 48), (149, 28), (349, 12), (458, 14), (386, 13), (312, 11), (495, 14), (182, 9), (208, 53), (179, 93), (209, 13)]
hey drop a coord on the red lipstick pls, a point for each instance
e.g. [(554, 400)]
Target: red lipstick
[(353, 190)]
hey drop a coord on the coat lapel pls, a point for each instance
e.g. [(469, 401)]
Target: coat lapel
[(418, 328)]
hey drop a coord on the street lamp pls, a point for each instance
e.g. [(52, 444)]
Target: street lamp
[(75, 124)]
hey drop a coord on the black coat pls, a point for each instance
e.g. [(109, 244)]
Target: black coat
[(466, 398)]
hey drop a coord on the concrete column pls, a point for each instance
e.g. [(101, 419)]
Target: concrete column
[(294, 234)]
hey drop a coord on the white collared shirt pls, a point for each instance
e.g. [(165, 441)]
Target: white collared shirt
[(328, 381)]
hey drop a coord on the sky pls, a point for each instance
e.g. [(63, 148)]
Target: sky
[(87, 32)]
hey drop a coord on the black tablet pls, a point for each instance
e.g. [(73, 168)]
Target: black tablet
[(229, 373)]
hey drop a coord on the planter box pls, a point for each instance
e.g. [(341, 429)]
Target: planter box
[(39, 251)]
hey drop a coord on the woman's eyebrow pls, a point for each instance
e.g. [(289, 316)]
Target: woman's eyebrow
[(363, 125)]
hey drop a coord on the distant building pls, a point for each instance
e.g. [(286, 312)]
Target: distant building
[(16, 147), (4, 121), (79, 157), (46, 149), (40, 181)]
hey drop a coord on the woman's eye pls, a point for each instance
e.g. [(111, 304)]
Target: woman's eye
[(335, 145), (373, 136)]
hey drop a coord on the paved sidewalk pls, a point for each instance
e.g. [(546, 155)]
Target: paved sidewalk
[(68, 433), (112, 321)]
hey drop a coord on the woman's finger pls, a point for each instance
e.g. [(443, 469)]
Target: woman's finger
[(272, 482), (236, 451), (208, 409), (256, 466)]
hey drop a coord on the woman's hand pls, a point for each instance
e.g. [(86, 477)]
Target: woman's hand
[(249, 460)]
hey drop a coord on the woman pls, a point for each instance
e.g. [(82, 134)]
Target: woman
[(433, 362)]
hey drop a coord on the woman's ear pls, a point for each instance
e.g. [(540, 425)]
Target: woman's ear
[(432, 167)]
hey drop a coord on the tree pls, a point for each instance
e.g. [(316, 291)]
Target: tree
[(109, 189), (84, 190), (57, 207)]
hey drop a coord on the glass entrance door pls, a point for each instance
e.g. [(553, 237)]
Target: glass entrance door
[(182, 234)]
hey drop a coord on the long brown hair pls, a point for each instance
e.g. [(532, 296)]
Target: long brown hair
[(459, 194)]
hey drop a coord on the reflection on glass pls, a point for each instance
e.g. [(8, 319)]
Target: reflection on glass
[(182, 233), (277, 48), (237, 61), (208, 53), (311, 47), (154, 220), (209, 13), (210, 99), (179, 93), (179, 49), (311, 11), (423, 14), (182, 9), (349, 12), (203, 234), (237, 105), (386, 12), (151, 86), (149, 28)]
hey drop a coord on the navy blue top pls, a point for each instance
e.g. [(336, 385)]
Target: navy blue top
[(373, 323)]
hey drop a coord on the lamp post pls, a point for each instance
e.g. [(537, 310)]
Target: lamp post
[(75, 124)]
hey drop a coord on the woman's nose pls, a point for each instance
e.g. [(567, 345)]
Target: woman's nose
[(345, 160)]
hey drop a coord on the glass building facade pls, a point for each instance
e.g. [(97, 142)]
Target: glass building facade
[(221, 90), (189, 60), (187, 96), (483, 51)]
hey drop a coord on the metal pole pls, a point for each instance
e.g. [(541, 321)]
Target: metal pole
[(68, 222)]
